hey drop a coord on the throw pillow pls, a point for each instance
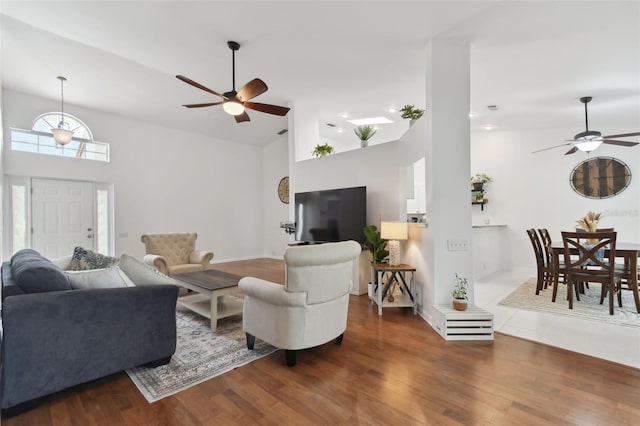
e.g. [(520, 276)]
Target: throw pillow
[(33, 273), (142, 274), (112, 277), (84, 259)]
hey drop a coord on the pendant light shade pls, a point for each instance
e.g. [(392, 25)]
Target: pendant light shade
[(62, 135)]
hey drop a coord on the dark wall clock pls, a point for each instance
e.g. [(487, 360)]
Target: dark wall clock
[(283, 190), (600, 177)]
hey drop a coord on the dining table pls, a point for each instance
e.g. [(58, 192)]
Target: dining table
[(625, 250)]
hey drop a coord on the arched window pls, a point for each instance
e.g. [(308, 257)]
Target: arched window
[(40, 139), (45, 122)]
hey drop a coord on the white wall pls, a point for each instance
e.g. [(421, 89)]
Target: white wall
[(533, 190), (165, 180), (276, 166)]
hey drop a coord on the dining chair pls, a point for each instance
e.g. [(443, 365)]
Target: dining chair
[(584, 264), (558, 274), (544, 269)]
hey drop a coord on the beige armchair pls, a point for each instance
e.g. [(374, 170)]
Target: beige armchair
[(311, 308), (175, 253)]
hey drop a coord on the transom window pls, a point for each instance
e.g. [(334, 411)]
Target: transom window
[(40, 139)]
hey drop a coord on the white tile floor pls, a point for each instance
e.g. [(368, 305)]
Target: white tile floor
[(615, 343)]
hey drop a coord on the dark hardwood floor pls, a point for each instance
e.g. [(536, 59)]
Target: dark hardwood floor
[(390, 370)]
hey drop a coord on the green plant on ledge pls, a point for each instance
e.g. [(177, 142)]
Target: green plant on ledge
[(322, 150), (411, 112), (376, 245), (365, 132)]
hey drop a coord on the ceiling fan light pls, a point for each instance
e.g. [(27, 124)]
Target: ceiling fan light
[(233, 108), (588, 145), (61, 135)]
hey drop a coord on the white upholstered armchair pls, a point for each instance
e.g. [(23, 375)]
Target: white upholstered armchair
[(175, 253), (311, 308)]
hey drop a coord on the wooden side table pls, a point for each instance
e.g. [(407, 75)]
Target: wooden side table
[(383, 278)]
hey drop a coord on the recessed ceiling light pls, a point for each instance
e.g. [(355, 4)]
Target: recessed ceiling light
[(489, 127), (370, 121), (344, 115), (472, 114), (392, 110)]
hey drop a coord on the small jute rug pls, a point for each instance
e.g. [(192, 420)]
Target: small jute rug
[(200, 355), (589, 307)]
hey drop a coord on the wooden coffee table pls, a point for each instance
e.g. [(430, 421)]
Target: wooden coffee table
[(211, 287)]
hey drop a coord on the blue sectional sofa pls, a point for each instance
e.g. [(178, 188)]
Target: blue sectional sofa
[(55, 337)]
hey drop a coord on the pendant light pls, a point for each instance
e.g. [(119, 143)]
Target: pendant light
[(62, 134)]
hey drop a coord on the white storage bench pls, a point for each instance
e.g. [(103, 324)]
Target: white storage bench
[(473, 324)]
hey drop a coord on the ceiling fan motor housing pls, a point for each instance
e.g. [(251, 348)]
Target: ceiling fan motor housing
[(588, 135)]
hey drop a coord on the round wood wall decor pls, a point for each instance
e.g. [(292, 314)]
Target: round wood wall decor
[(283, 190), (600, 177)]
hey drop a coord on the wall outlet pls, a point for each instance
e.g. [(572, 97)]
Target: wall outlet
[(457, 245)]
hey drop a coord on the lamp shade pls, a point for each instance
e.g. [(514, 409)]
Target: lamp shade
[(394, 231), (62, 136)]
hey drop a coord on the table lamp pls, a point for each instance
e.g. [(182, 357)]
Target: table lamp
[(394, 231)]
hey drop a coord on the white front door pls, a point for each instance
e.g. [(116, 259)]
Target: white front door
[(62, 216)]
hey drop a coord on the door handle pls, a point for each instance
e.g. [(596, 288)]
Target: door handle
[(89, 229), (90, 236)]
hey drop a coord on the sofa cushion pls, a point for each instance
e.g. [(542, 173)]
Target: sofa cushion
[(33, 273), (112, 277), (142, 274), (84, 259)]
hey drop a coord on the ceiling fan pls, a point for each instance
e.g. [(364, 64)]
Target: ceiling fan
[(589, 140), (235, 103)]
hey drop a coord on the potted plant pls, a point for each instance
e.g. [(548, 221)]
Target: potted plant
[(479, 196), (410, 112), (378, 248), (459, 293), (322, 150), (478, 180), (364, 133)]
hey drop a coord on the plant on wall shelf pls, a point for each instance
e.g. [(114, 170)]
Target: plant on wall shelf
[(364, 133), (478, 180), (410, 112), (322, 150), (376, 245)]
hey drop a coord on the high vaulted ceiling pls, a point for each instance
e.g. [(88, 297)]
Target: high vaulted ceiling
[(531, 59)]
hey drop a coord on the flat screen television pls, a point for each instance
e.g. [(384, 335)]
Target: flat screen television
[(331, 215)]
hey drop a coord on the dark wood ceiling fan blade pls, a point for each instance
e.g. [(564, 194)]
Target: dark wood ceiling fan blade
[(571, 151), (242, 117), (621, 143), (199, 86), (252, 89), (269, 109), (203, 105), (552, 147), (625, 135)]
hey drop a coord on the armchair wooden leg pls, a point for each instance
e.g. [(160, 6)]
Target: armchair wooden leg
[(251, 340), (339, 339), (291, 357)]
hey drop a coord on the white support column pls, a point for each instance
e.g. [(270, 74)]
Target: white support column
[(447, 171)]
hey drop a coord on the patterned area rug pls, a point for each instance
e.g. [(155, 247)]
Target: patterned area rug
[(589, 307), (200, 355)]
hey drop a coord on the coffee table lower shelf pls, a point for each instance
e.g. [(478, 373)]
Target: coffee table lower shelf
[(212, 307)]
